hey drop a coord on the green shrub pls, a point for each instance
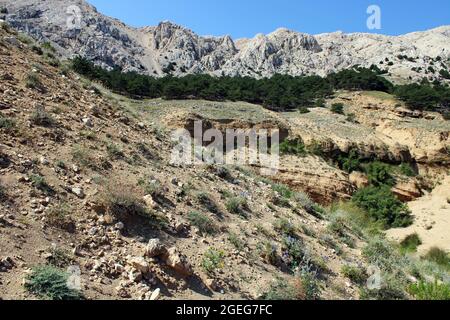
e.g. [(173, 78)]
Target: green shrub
[(40, 184), (3, 194), (51, 283), (38, 50), (61, 164), (114, 151), (356, 274), (237, 205), (383, 254), (311, 286), (204, 223), (123, 203), (59, 217), (305, 201), (320, 103), (445, 74), (268, 252), (41, 118), (351, 162), (337, 108), (152, 187), (382, 206), (379, 174), (7, 124), (59, 258), (446, 115), (285, 227), (282, 290), (212, 261), (351, 117), (48, 46), (293, 147), (406, 170), (235, 241), (303, 110), (356, 219), (302, 287), (316, 148), (410, 243), (430, 290), (207, 202), (283, 190), (222, 172), (439, 257), (83, 157), (32, 81), (419, 96)]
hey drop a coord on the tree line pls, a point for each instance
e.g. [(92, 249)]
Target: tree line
[(279, 93)]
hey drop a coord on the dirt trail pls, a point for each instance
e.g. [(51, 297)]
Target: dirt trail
[(432, 223)]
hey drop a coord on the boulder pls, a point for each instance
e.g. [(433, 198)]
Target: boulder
[(140, 264), (149, 202), (178, 262), (154, 248), (358, 179), (407, 191)]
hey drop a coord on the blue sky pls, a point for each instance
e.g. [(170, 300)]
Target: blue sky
[(246, 18)]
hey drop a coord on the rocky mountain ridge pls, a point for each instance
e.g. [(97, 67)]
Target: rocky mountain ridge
[(172, 49)]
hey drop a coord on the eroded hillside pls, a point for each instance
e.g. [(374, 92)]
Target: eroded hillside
[(86, 181)]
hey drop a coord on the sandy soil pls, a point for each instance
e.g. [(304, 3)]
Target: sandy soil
[(432, 223)]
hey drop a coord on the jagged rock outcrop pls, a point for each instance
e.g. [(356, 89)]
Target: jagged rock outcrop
[(172, 49)]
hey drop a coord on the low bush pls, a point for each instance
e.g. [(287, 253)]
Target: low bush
[(438, 256), (236, 241), (337, 108), (51, 283), (3, 194), (204, 223), (293, 147), (351, 162), (237, 205), (32, 81), (302, 287), (123, 203), (285, 227), (407, 170), (283, 190), (379, 174), (430, 290), (152, 187), (356, 274), (305, 201), (268, 252), (410, 243), (40, 184), (207, 202), (83, 157), (114, 151), (59, 217), (7, 124), (41, 118), (382, 206), (212, 261)]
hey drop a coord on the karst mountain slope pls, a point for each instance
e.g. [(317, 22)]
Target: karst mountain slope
[(172, 49)]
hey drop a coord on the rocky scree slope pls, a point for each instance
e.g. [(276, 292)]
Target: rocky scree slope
[(172, 49)]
